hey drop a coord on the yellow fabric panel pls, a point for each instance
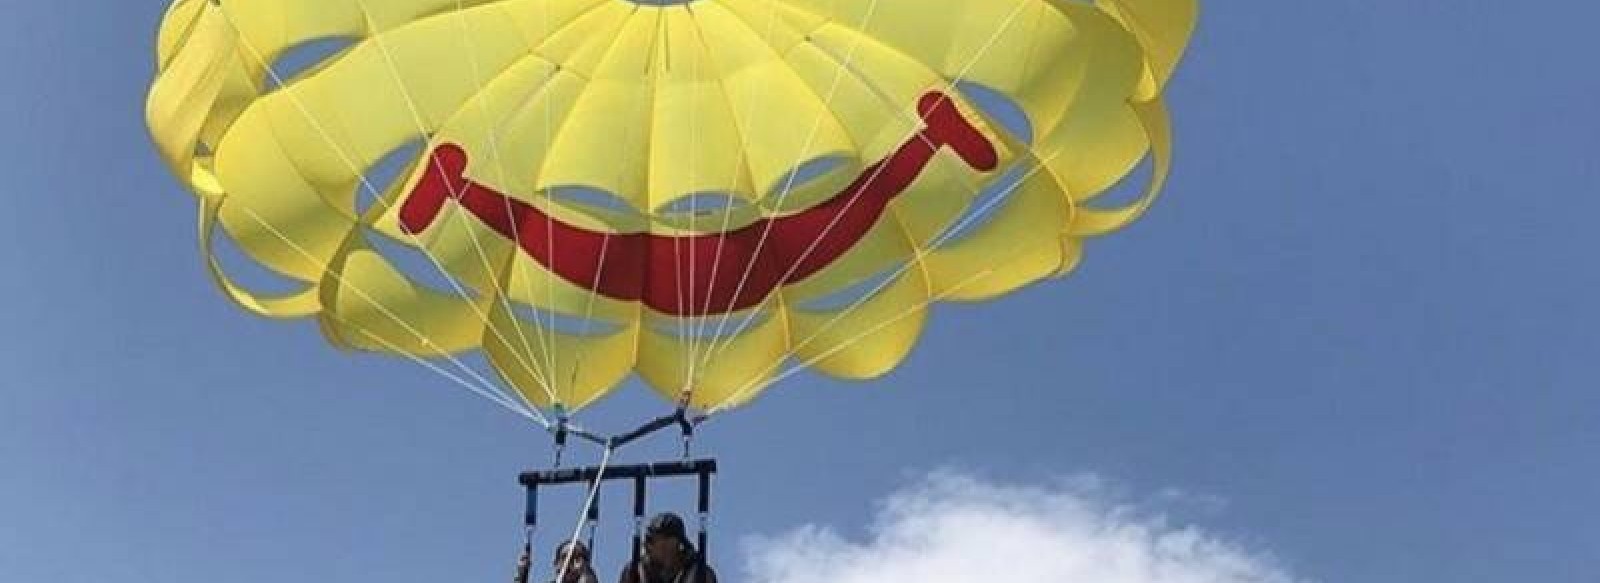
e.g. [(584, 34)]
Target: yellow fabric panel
[(734, 372), (579, 361), (1083, 62), (874, 128), (1163, 28), (897, 82), (190, 82), (385, 91), (541, 362), (757, 82), (373, 301), (1096, 140), (176, 25), (1016, 242), (894, 76), (293, 305), (530, 284), (696, 145), (469, 252), (780, 25), (270, 26), (435, 65), (1090, 154), (583, 44), (278, 217), (882, 249), (993, 42), (523, 140), (241, 85), (605, 141), (871, 337), (206, 78), (908, 25), (274, 25), (1089, 222), (544, 21), (986, 42)]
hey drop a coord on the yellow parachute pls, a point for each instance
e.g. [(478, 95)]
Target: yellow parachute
[(699, 191)]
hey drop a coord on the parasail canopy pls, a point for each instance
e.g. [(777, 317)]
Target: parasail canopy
[(697, 191)]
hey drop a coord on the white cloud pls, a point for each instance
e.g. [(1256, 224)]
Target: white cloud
[(955, 529)]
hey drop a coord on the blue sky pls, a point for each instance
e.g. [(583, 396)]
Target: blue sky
[(1358, 334)]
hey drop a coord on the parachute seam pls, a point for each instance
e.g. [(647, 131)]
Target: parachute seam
[(960, 223), (742, 169), (1153, 130), (789, 184), (742, 166), (610, 50), (477, 243), (326, 271), (605, 245), (547, 336), (949, 85), (329, 272), (502, 286)]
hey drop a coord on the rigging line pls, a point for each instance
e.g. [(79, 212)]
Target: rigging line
[(361, 177), (588, 309), (515, 407), (550, 238), (921, 252), (949, 85), (701, 322), (577, 532), (798, 368), (416, 116), (485, 389), (334, 145), (517, 266), (692, 323), (975, 191), (766, 230), (589, 304), (659, 57), (605, 246), (546, 325), (500, 169), (738, 163)]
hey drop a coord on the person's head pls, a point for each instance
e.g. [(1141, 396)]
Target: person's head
[(579, 562), (665, 537)]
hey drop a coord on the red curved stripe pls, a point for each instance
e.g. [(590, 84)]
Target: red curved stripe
[(655, 269)]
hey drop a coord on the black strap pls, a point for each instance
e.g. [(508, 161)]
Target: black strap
[(638, 514)]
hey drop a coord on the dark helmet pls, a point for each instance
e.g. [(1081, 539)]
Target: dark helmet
[(669, 525)]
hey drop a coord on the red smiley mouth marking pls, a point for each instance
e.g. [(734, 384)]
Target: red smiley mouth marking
[(754, 259)]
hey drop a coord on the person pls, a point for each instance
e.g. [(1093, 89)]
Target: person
[(667, 556), (577, 571), (572, 564)]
